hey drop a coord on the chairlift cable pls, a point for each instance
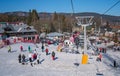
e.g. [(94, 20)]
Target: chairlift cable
[(107, 11), (72, 7), (77, 48), (111, 7)]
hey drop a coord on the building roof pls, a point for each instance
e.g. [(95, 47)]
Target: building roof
[(17, 28), (53, 34), (24, 28)]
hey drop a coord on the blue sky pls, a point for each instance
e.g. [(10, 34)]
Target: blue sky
[(99, 6)]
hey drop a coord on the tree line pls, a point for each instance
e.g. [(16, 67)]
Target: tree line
[(12, 18), (55, 23)]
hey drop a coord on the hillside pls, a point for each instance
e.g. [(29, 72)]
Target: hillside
[(63, 65), (50, 22), (109, 18)]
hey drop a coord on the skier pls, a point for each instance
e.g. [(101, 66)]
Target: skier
[(53, 55), (46, 51), (21, 48), (38, 57), (99, 58), (29, 48), (23, 59), (19, 58), (34, 56), (42, 47), (9, 48), (30, 59)]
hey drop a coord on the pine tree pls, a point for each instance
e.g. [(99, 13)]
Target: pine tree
[(29, 18), (35, 16), (55, 16), (52, 28)]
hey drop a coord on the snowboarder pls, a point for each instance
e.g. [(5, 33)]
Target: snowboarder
[(53, 55), (9, 48), (46, 51), (21, 48), (19, 58)]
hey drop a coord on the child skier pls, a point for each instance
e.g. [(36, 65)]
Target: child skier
[(46, 51)]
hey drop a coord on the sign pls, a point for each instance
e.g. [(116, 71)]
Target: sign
[(84, 59)]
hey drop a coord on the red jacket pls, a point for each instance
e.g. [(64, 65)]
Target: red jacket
[(21, 47), (46, 50), (100, 56)]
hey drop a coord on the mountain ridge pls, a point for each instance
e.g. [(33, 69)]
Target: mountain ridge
[(109, 18)]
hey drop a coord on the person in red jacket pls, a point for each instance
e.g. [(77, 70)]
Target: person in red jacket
[(34, 56), (21, 48), (46, 51), (99, 58)]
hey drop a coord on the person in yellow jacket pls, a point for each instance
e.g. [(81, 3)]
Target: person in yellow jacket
[(9, 48)]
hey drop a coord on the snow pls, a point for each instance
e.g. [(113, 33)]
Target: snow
[(105, 45), (62, 66), (54, 34)]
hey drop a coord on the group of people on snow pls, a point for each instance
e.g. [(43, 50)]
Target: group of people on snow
[(33, 56)]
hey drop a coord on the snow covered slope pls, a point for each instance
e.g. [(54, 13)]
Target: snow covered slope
[(63, 65)]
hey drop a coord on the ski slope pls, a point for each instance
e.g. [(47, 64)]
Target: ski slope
[(63, 65)]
